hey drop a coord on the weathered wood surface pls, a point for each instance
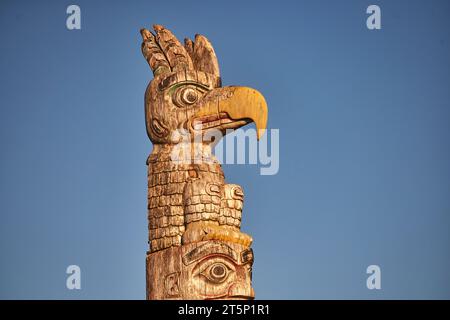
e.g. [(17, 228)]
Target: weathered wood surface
[(197, 250)]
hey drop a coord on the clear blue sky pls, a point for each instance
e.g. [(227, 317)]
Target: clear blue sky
[(364, 119)]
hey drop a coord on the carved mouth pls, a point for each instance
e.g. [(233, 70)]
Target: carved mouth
[(220, 121)]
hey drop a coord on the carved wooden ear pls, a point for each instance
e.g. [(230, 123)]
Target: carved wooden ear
[(153, 54), (175, 53), (204, 57)]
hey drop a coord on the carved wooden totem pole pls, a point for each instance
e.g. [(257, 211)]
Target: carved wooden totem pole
[(197, 250)]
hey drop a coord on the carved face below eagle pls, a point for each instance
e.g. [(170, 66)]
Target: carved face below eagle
[(204, 270), (186, 94)]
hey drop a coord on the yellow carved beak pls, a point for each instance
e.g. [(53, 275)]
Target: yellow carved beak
[(231, 108)]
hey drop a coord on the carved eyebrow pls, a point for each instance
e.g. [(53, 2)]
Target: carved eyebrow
[(208, 249), (198, 78)]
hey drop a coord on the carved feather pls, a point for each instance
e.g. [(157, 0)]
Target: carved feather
[(164, 53), (153, 53), (204, 57), (176, 54)]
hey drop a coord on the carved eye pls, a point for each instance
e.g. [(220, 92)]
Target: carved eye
[(189, 96), (186, 96), (217, 272)]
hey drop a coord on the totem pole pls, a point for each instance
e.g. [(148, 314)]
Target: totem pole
[(197, 250)]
